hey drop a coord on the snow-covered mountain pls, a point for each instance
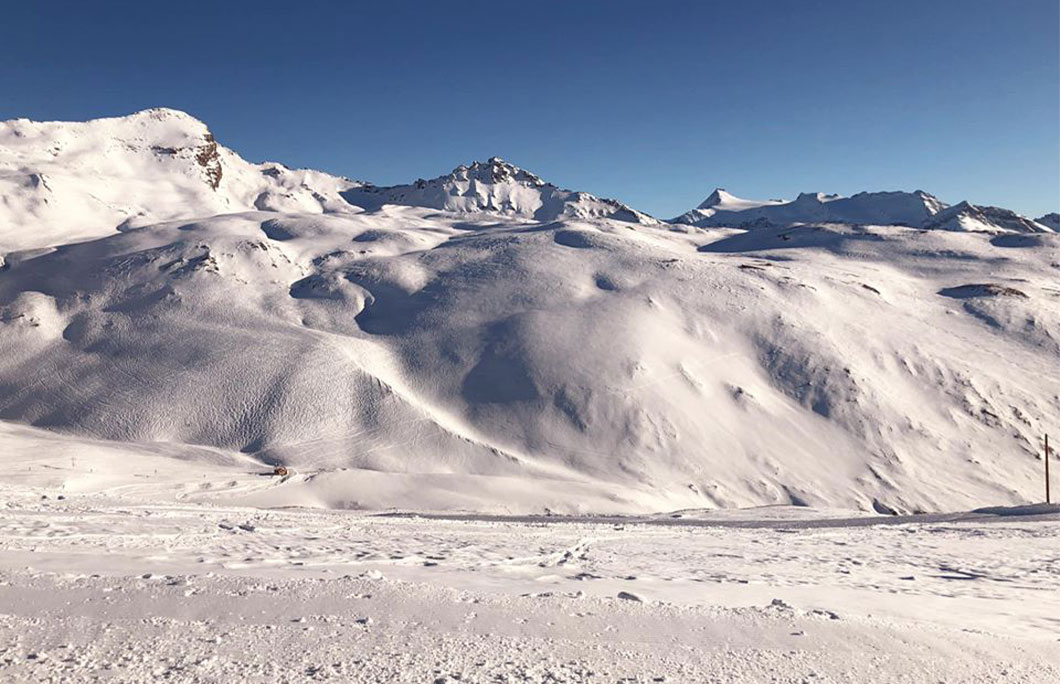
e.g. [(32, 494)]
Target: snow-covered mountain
[(63, 181), (485, 340), (1050, 221), (496, 186), (914, 209), (877, 208), (66, 181)]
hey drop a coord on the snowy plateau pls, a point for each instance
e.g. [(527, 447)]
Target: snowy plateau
[(528, 434)]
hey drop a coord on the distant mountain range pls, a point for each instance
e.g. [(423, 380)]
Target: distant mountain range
[(73, 180), (916, 209)]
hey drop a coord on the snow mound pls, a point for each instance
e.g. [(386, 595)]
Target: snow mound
[(499, 187)]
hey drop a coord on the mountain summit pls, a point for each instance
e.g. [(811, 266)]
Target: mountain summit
[(720, 200), (496, 186), (1050, 221), (970, 217)]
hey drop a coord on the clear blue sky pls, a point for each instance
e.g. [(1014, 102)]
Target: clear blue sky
[(654, 103)]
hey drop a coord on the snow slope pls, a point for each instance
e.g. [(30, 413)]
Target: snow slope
[(507, 347), (125, 561), (821, 365)]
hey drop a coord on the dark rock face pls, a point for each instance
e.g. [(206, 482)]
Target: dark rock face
[(207, 157), (981, 290)]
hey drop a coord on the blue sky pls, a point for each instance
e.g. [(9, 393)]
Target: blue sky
[(654, 103)]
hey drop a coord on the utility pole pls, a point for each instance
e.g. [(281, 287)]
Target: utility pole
[(1047, 499)]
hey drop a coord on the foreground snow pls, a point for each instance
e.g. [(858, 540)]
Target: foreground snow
[(152, 573), (104, 585)]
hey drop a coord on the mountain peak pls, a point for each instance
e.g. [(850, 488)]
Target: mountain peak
[(816, 197), (717, 197), (160, 113), (160, 127), (494, 170), (720, 201), (498, 186)]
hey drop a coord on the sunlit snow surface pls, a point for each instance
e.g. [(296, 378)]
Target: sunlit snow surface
[(408, 357), (149, 574)]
